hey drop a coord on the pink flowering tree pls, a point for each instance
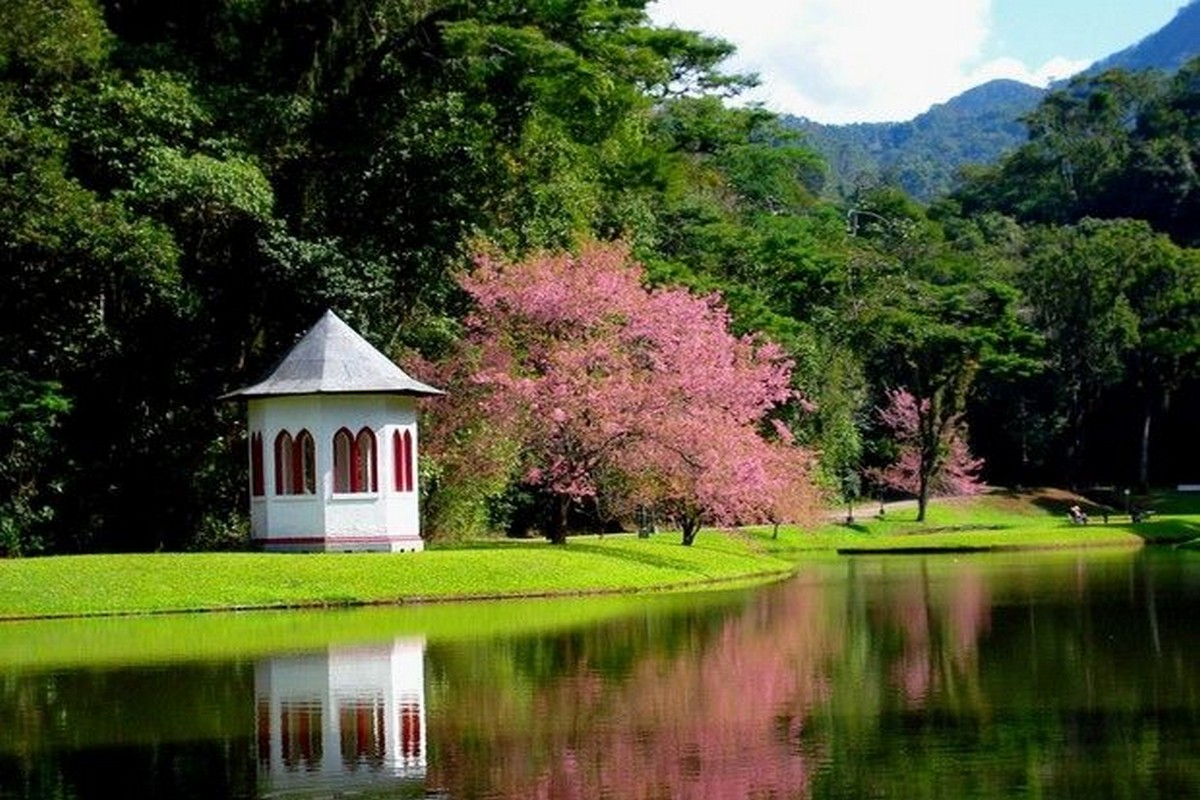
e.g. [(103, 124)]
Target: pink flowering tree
[(642, 395), (932, 457), (698, 476)]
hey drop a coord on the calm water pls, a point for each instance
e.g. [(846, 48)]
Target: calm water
[(1025, 675)]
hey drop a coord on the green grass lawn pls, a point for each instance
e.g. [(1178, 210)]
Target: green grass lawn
[(161, 582), (996, 521), (62, 586)]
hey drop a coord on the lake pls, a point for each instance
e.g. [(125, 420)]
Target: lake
[(1055, 674)]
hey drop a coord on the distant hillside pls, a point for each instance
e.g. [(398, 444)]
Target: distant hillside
[(923, 156), (1167, 49)]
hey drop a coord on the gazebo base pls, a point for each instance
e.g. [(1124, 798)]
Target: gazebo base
[(341, 544)]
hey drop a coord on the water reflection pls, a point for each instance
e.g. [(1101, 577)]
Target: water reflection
[(1056, 675), (342, 716), (345, 720), (712, 704)]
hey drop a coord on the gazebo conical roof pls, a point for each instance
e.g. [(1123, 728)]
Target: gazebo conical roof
[(333, 359)]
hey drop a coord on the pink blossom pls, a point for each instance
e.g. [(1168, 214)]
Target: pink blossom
[(645, 394), (955, 471)]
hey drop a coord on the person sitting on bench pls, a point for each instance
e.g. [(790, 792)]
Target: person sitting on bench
[(1077, 515)]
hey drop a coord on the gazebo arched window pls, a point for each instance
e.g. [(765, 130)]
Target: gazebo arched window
[(295, 463), (257, 481), (305, 464), (402, 460), (284, 453), (354, 462)]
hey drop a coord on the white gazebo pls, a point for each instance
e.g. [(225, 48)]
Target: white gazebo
[(333, 447)]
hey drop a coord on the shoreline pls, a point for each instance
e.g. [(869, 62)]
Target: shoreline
[(153, 584)]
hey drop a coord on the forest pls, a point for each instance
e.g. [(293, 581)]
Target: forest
[(187, 187)]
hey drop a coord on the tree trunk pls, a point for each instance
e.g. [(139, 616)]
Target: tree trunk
[(925, 471), (1163, 406), (558, 520), (1075, 442), (690, 523), (1144, 450), (929, 433)]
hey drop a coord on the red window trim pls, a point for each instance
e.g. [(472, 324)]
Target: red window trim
[(355, 462), (257, 480), (295, 463), (365, 475), (402, 455)]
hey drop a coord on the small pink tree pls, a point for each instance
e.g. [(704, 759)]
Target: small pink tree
[(932, 457), (721, 477), (646, 391)]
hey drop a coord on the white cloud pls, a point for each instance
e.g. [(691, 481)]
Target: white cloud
[(1055, 69), (855, 60)]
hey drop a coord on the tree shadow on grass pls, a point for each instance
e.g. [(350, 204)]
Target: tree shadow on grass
[(1096, 501), (494, 543), (638, 557), (1058, 502), (1174, 502), (1165, 531)]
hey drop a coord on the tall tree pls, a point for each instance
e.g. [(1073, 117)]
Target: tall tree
[(929, 316), (1116, 303)]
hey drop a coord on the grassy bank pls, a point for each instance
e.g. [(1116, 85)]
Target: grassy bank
[(998, 521), (154, 583), (161, 582)]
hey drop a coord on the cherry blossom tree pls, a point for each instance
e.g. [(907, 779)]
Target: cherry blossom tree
[(932, 456), (694, 474), (642, 394)]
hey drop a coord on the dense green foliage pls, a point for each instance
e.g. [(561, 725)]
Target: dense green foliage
[(1105, 189), (184, 189)]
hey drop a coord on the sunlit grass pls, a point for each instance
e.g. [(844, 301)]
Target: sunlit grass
[(153, 583), (994, 521), (160, 582)]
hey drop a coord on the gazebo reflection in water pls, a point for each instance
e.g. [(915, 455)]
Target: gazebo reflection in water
[(345, 716)]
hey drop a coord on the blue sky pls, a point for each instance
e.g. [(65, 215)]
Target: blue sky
[(1038, 30), (886, 60)]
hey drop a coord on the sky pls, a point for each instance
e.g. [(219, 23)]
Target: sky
[(839, 61)]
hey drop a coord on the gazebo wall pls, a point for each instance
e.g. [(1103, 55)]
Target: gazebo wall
[(384, 519)]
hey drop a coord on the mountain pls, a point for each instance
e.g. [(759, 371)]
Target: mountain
[(924, 155), (1167, 49)]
